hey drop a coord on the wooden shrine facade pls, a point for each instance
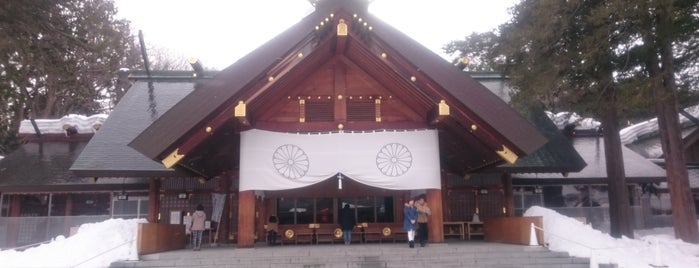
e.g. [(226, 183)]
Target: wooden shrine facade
[(339, 70)]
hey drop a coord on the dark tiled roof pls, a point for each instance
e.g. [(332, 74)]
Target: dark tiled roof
[(637, 168), (557, 156), (107, 154), (43, 167), (37, 163)]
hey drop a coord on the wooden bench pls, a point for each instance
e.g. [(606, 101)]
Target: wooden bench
[(331, 233), (384, 232), (328, 233)]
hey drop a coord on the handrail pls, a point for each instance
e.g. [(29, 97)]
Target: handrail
[(103, 252), (595, 252)]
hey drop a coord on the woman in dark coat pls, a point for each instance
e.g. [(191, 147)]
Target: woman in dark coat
[(410, 221), (347, 223)]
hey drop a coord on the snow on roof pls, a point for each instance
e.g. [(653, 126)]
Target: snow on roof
[(634, 132), (562, 119), (83, 124)]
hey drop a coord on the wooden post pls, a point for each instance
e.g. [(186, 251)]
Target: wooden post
[(67, 223), (261, 218), (224, 227), (246, 219), (153, 199), (508, 199), (435, 223), (446, 210), (13, 226)]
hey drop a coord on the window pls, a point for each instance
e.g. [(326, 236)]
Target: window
[(134, 207), (321, 110), (324, 210), (286, 210), (526, 197), (366, 209), (361, 110), (91, 204)]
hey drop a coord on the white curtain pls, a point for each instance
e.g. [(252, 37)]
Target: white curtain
[(401, 160)]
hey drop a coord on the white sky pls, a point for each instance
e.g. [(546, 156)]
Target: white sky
[(651, 248), (219, 32)]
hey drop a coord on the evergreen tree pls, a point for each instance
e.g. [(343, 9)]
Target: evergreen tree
[(58, 58), (608, 59)]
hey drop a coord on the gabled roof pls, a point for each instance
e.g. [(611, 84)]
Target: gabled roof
[(43, 167), (557, 156), (637, 168), (478, 124), (107, 155)]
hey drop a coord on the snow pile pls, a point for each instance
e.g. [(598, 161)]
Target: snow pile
[(94, 245), (651, 248)]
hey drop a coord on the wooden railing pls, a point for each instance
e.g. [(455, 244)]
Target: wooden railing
[(513, 230), (159, 237)]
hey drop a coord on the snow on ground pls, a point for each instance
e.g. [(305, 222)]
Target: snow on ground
[(650, 248), (99, 244), (94, 245)]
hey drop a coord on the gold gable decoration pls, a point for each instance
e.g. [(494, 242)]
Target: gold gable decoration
[(240, 110), (507, 155), (342, 28), (443, 108), (173, 158)]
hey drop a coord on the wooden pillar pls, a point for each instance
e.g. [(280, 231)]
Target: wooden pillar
[(153, 200), (67, 223), (446, 210), (225, 225), (508, 201), (435, 222), (246, 219), (261, 217), (13, 226)]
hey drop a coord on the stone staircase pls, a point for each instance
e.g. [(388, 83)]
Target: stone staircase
[(453, 254)]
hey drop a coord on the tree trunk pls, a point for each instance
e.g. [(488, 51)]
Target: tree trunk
[(619, 207), (664, 90)]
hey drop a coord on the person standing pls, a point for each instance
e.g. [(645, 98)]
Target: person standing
[(410, 221), (347, 223), (272, 229), (423, 212), (197, 227)]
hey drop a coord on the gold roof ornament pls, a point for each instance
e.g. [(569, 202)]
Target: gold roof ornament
[(341, 28), (173, 158), (507, 155)]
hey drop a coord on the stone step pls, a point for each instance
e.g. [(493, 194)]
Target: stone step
[(478, 254)]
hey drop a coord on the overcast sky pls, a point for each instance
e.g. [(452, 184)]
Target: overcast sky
[(220, 32)]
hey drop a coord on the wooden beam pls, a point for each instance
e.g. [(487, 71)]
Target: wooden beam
[(340, 91)]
